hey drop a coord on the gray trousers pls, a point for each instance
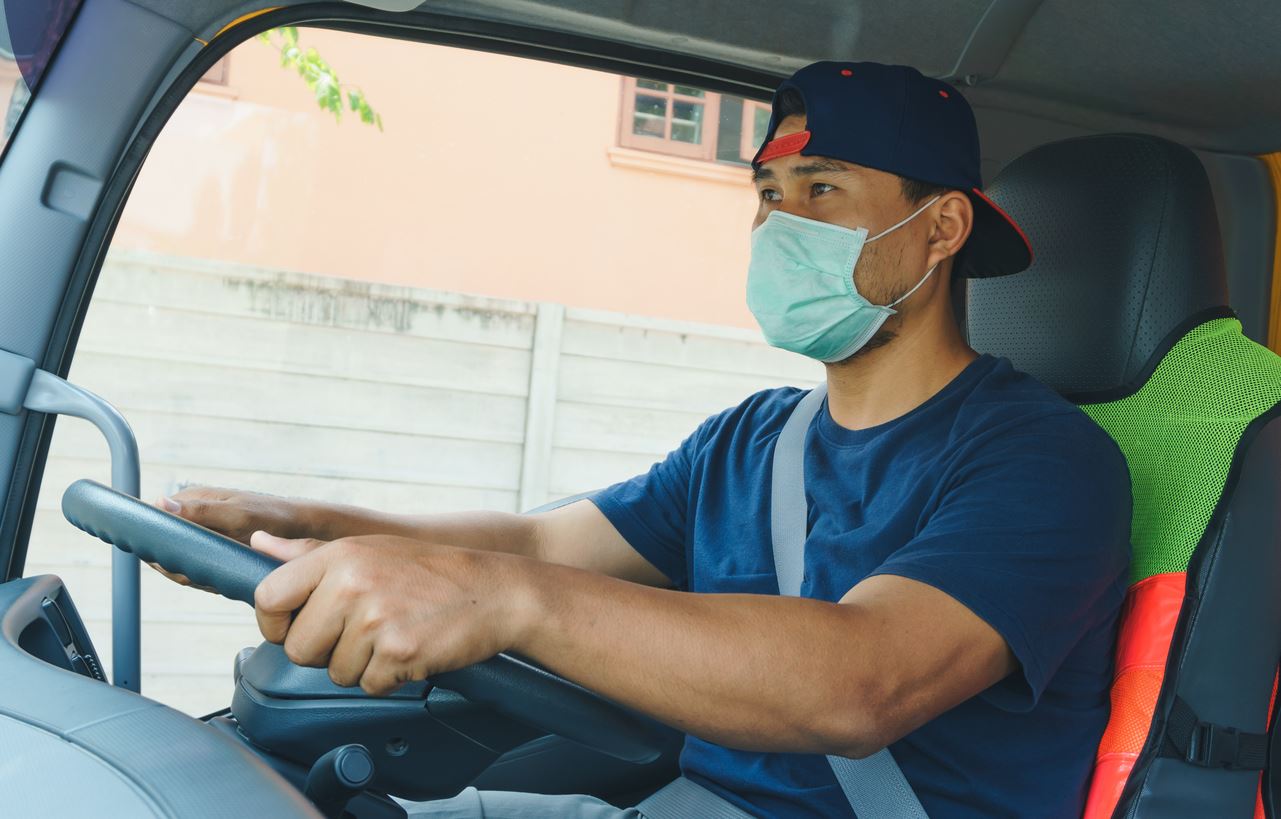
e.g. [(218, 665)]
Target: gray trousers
[(680, 797), (474, 804)]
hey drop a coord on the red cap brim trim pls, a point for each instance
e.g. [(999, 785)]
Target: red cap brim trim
[(1006, 217), (783, 146)]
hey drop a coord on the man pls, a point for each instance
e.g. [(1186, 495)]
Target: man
[(967, 527)]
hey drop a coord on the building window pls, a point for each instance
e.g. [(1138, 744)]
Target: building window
[(673, 119), (680, 120)]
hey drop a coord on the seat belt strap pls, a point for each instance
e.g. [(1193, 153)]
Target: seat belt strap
[(683, 798), (788, 511), (1207, 745), (875, 786)]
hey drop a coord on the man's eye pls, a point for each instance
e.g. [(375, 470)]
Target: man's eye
[(770, 195), (820, 188)]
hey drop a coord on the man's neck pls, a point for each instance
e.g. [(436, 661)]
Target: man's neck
[(887, 382)]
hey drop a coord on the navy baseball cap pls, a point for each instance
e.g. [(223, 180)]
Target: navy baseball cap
[(895, 119)]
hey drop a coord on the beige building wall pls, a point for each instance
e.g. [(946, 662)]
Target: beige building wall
[(495, 176)]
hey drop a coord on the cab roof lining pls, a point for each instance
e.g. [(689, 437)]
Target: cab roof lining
[(1199, 73)]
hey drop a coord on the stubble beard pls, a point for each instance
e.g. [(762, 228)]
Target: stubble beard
[(885, 335)]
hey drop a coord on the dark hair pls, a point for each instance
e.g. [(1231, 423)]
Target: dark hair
[(790, 103), (914, 190)]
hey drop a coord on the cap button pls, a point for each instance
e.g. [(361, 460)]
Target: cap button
[(845, 72)]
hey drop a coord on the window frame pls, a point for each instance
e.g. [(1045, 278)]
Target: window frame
[(705, 149), (747, 144)]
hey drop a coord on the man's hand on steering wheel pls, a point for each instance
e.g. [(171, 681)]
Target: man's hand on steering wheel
[(238, 515), (381, 610), (358, 593)]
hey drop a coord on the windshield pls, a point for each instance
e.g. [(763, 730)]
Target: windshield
[(29, 32), (329, 284)]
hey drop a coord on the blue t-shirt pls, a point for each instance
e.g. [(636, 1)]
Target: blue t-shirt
[(995, 490)]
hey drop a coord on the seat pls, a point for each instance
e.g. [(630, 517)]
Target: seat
[(1124, 312)]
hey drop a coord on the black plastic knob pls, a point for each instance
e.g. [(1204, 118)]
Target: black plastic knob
[(337, 777)]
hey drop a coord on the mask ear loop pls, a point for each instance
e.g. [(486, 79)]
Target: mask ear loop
[(893, 228), (928, 273)]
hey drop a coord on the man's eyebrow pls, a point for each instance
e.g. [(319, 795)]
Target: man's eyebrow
[(819, 166), (809, 168)]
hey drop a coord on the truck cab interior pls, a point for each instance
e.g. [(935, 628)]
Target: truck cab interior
[(1137, 144)]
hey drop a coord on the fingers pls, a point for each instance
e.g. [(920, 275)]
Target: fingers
[(284, 591), (348, 660), (283, 549), (213, 508), (180, 579), (381, 677), (203, 493), (315, 629), (373, 609), (393, 662), (335, 625)]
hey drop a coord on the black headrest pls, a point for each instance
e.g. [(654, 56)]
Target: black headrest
[(1127, 248)]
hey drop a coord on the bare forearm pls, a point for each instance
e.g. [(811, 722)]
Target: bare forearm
[(749, 671), (575, 535), (487, 531), (758, 672)]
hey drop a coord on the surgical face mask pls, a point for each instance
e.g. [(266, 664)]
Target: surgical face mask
[(800, 286)]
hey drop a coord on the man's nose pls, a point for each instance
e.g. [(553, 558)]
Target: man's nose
[(794, 206), (791, 209)]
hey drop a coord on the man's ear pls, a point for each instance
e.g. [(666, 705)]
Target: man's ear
[(952, 224)]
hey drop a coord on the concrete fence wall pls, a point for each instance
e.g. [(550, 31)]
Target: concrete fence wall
[(389, 397)]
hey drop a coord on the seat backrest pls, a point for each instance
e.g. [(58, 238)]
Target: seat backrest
[(1124, 311)]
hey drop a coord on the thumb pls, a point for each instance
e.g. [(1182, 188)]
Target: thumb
[(281, 548)]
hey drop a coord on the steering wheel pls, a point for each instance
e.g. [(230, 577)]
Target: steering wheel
[(505, 683)]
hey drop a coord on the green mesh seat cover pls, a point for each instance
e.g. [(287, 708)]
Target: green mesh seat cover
[(1179, 432)]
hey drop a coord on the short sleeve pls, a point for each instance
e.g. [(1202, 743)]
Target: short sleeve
[(651, 510), (1031, 533)]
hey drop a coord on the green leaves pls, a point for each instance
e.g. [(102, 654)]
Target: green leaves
[(356, 99), (319, 76)]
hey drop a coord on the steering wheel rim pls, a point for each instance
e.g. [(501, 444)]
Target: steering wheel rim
[(508, 684)]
